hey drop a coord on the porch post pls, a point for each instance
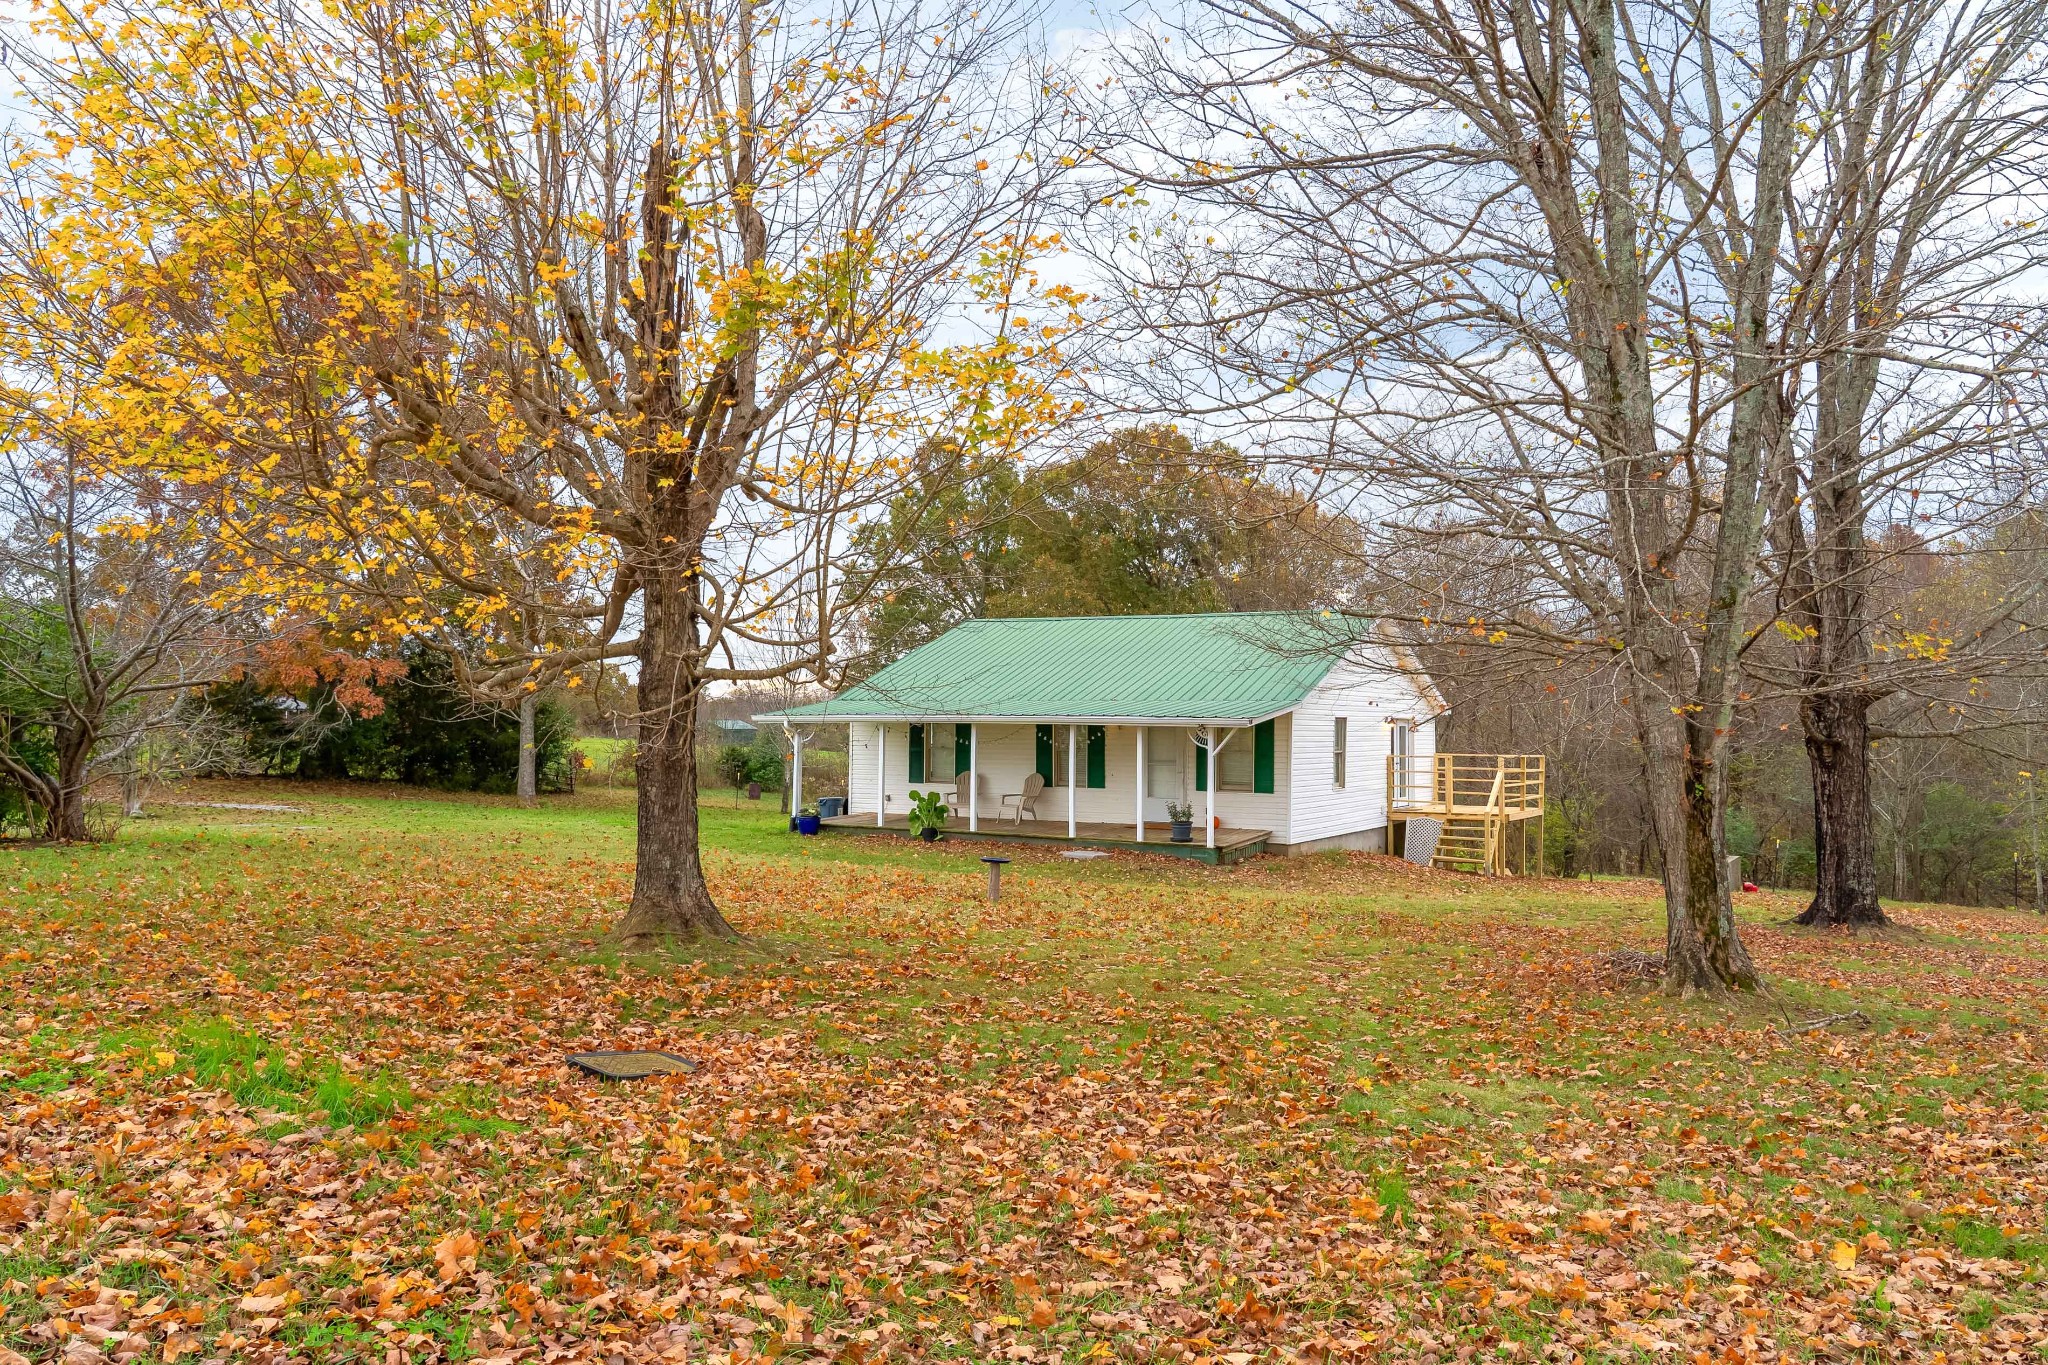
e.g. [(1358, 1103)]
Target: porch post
[(1139, 813), (796, 772), (973, 778), (1215, 778), (1209, 817), (881, 771), (1071, 783)]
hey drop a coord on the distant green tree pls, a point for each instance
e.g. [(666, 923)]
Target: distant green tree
[(38, 666), (1143, 522), (1743, 840), (1962, 842), (1568, 827), (739, 764)]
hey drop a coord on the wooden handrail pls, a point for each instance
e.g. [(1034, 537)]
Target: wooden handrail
[(1476, 782)]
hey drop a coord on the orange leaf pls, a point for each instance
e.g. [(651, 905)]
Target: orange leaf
[(455, 1254)]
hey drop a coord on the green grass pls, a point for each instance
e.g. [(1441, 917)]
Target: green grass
[(405, 969)]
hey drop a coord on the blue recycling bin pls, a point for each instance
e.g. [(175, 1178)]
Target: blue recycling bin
[(829, 806)]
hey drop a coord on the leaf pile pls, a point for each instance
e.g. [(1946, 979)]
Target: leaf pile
[(277, 1093)]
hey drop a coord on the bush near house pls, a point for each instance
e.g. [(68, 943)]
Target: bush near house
[(426, 735)]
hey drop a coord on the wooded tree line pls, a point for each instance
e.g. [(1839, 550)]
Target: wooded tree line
[(1639, 347)]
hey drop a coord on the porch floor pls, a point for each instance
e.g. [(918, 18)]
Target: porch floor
[(1231, 843)]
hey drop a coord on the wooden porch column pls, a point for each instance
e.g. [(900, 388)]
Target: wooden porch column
[(973, 778), (881, 772), (1072, 829), (1139, 813)]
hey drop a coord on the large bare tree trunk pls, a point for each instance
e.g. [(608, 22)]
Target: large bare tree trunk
[(1687, 795), (529, 789), (64, 804), (1837, 728), (670, 898), (66, 818)]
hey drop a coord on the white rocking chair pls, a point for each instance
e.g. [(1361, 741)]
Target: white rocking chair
[(1025, 801)]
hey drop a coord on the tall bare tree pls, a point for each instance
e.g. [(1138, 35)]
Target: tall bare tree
[(1512, 270), (1915, 227), (109, 619)]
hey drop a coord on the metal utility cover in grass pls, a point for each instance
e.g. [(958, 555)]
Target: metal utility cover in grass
[(631, 1066)]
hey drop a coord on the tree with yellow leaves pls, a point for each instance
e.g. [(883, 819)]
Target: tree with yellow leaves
[(585, 330)]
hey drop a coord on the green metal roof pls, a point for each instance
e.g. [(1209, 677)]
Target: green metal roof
[(1229, 668)]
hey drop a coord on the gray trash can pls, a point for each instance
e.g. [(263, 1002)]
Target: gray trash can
[(829, 806)]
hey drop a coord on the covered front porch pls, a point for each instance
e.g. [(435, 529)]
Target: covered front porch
[(1230, 843), (1119, 784)]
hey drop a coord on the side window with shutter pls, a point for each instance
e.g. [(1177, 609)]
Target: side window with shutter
[(917, 753), (1098, 757), (1045, 753), (1262, 757)]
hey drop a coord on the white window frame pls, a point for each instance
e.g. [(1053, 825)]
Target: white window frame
[(1340, 738), (1240, 754)]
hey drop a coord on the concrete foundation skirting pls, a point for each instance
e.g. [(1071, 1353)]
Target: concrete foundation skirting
[(1359, 841)]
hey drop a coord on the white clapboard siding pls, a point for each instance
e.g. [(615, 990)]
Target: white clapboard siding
[(860, 766), (1368, 691)]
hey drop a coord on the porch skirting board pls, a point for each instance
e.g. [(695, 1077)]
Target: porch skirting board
[(1358, 841)]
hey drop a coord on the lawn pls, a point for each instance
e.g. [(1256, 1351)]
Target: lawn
[(287, 1084)]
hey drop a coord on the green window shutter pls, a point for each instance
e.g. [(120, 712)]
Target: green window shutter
[(963, 749), (1098, 757), (1045, 753), (1262, 756), (917, 753), (1201, 768)]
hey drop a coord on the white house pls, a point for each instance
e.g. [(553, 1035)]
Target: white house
[(1303, 719)]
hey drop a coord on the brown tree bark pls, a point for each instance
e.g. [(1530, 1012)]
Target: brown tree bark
[(670, 898), (67, 817), (64, 794), (529, 785), (1686, 789), (1837, 726)]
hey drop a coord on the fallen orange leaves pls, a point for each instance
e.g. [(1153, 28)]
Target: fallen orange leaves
[(898, 1146)]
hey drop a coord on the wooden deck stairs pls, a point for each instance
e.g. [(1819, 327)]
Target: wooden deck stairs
[(1477, 801)]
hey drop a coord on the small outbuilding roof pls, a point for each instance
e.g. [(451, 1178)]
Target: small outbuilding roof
[(1224, 668)]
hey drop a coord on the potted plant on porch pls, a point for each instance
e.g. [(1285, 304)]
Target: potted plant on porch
[(927, 815), (1183, 817), (806, 821)]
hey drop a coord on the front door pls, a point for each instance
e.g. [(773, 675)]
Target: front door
[(1163, 772), (1410, 784)]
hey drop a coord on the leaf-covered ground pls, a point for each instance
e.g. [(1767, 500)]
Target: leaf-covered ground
[(287, 1084)]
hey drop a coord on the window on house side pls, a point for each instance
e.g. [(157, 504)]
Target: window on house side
[(1236, 762), (1337, 743)]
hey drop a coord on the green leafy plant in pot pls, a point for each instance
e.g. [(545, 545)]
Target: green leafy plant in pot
[(1183, 817), (927, 815)]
